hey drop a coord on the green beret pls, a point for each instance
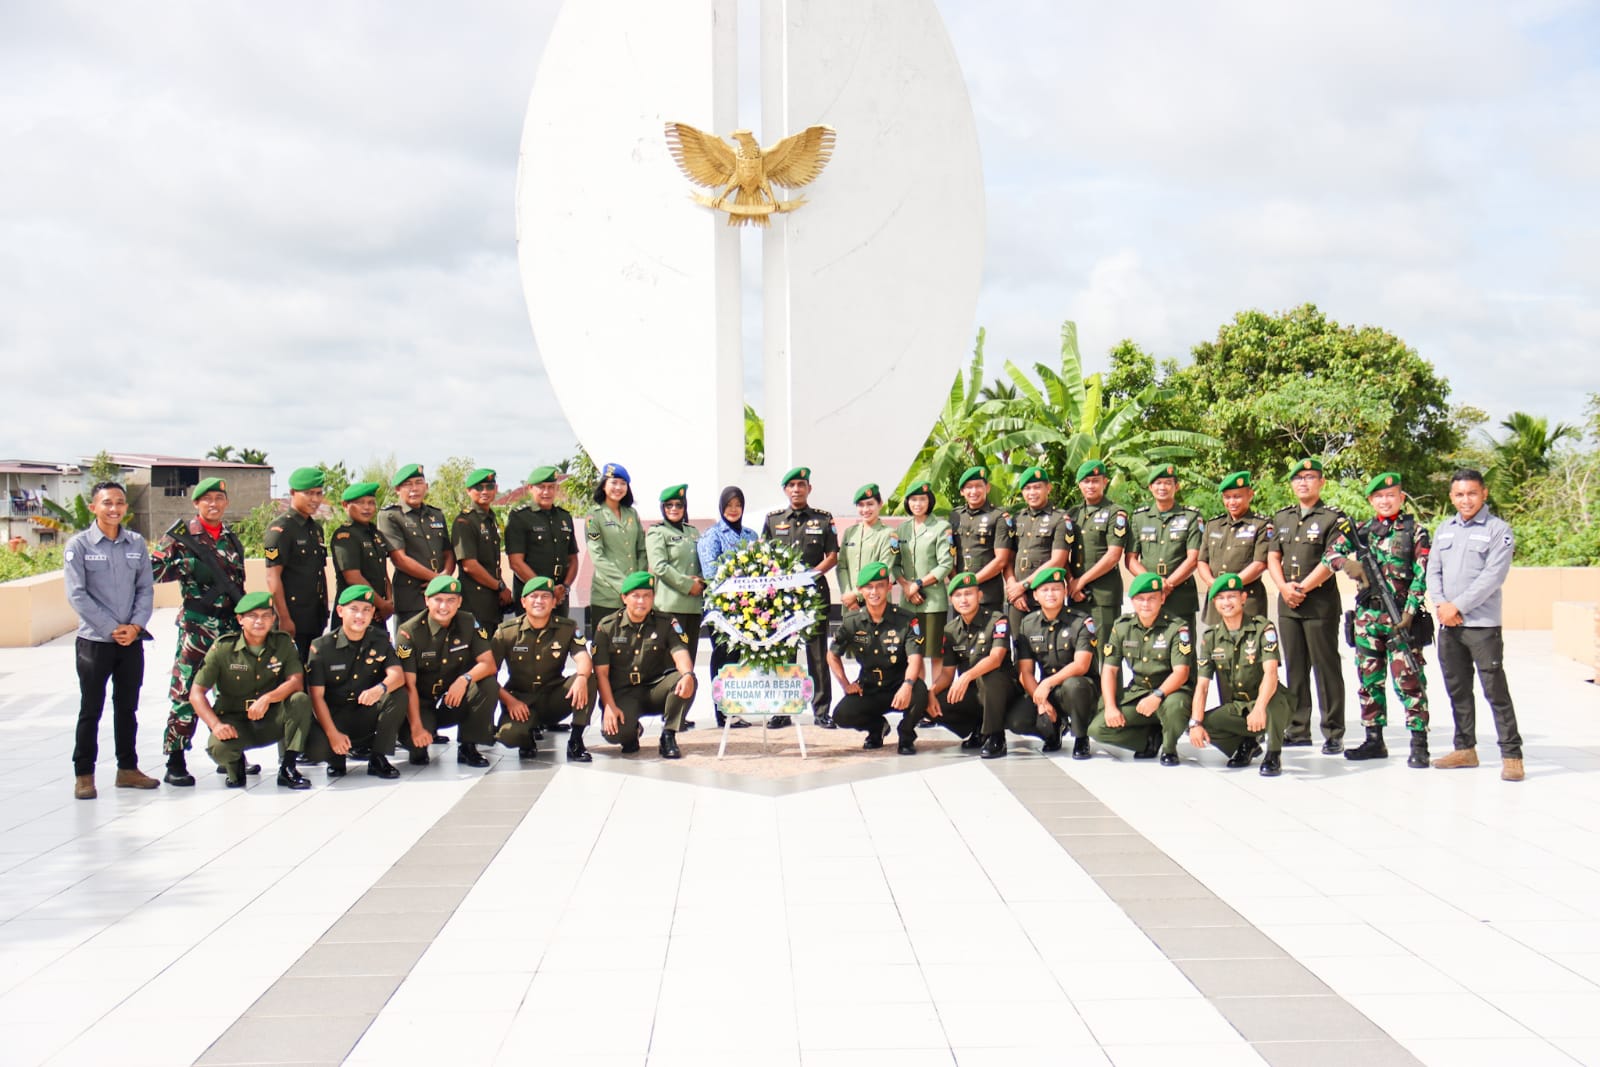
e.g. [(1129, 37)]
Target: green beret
[(637, 580), (924, 488), (1166, 470), (1031, 475), (540, 475), (872, 572), (479, 476), (406, 473), (1148, 582), (1236, 480), (1386, 480), (970, 473), (444, 583), (359, 490), (207, 485), (1089, 468), (1226, 583), (306, 478), (675, 492), (868, 490), (533, 585), (362, 593), (252, 602), (1310, 463), (796, 474), (1048, 575), (964, 580)]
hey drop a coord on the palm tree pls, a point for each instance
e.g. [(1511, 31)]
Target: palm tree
[(960, 434), (221, 453), (1526, 449), (250, 455)]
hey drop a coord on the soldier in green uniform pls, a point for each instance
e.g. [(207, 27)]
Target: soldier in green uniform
[(672, 551), (1103, 538), (1166, 542), (357, 689), (927, 560), (1046, 537), (616, 542), (360, 554), (450, 674), (1055, 663), (642, 665), (886, 643), (475, 539), (541, 541), (1236, 542), (810, 532), (537, 695), (204, 556), (297, 562), (1153, 709), (870, 540), (1308, 607), (1241, 652), (259, 689), (984, 537), (419, 542), (975, 694)]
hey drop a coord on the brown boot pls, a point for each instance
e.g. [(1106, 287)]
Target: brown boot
[(1461, 757), (134, 778), (83, 787), (1511, 770)]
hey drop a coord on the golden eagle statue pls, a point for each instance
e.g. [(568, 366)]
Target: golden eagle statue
[(746, 173)]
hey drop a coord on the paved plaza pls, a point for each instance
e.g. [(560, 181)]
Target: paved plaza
[(936, 909)]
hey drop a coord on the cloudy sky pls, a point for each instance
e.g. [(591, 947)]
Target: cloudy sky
[(290, 226)]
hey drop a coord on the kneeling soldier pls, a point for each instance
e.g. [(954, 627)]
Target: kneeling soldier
[(979, 701), (357, 688), (642, 664), (536, 697), (450, 674), (1152, 711), (1060, 644), (1242, 652), (260, 698), (886, 643)]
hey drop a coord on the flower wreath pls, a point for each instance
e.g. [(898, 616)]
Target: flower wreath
[(764, 601)]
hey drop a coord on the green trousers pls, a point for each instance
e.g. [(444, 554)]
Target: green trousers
[(656, 697), (1225, 724), (287, 722), (1170, 721), (377, 725), (547, 705), (475, 713)]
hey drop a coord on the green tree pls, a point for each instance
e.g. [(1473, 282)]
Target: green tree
[(336, 478), (447, 488), (104, 469), (221, 453), (576, 492), (755, 438), (250, 455), (960, 435)]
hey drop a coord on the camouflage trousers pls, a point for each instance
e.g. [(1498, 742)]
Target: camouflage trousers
[(196, 634), (1378, 655)]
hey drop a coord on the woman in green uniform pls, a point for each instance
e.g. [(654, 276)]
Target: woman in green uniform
[(672, 547), (868, 541), (927, 559), (616, 542)]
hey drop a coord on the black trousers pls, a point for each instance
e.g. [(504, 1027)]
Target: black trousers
[(1461, 650), (989, 707), (1312, 645), (868, 709), (721, 656), (123, 666)]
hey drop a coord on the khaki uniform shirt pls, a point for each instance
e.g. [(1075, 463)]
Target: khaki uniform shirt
[(422, 534), (978, 536), (1041, 534), (1238, 657), (1100, 529), (638, 653), (926, 551), (1302, 540), (966, 643), (358, 546), (475, 534), (345, 668), (545, 538), (1229, 546), (239, 675), (1161, 541), (673, 553), (1053, 644), (1152, 652), (880, 648), (438, 655), (810, 532), (863, 544), (616, 547), (536, 656)]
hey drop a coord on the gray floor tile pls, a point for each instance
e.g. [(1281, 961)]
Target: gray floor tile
[(367, 928), (1382, 1053), (398, 900), (1126, 863), (1188, 914), (488, 837), (1314, 1018), (1180, 886), (445, 856), (430, 875), (342, 995), (358, 959), (1078, 845), (1215, 943), (1253, 978), (1061, 827), (479, 817), (263, 1041)]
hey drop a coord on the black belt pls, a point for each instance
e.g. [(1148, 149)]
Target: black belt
[(200, 607)]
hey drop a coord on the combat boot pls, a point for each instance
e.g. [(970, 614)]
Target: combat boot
[(1372, 748), (1461, 757), (178, 769), (1419, 751)]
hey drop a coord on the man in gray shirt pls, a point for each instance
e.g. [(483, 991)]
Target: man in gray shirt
[(109, 585), (1468, 566)]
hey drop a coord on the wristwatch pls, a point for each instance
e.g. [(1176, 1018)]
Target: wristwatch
[(1193, 723)]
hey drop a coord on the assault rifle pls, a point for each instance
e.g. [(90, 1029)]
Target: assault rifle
[(1376, 579)]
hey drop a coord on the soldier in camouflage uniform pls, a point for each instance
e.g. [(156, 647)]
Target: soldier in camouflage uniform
[(475, 539), (1400, 545), (206, 559), (1242, 652), (1103, 538), (1046, 537)]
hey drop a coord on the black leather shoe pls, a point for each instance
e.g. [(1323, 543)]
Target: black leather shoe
[(178, 775), (470, 756), (1372, 748), (576, 751), (1052, 741), (1297, 742), (825, 720), (1332, 747), (528, 751), (778, 722), (289, 777), (440, 739), (995, 746), (1271, 765), (360, 752), (669, 745), (378, 766), (419, 757), (1169, 759), (235, 773), (1080, 748), (1245, 754), (559, 728), (1419, 751), (688, 724), (337, 766), (739, 724), (249, 768), (907, 747), (974, 740), (1151, 747), (875, 737), (630, 747)]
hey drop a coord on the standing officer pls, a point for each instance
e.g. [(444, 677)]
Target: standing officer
[(1468, 566), (1103, 538), (1060, 645), (1166, 543), (985, 538), (1308, 607), (978, 688), (927, 560), (672, 549), (867, 541), (1399, 544), (360, 554), (260, 694), (536, 695), (1241, 651), (357, 689), (810, 532), (641, 661), (475, 539), (886, 643), (107, 574), (419, 541), (1236, 542), (1046, 537), (450, 674), (297, 562), (541, 541), (205, 558), (1159, 648)]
